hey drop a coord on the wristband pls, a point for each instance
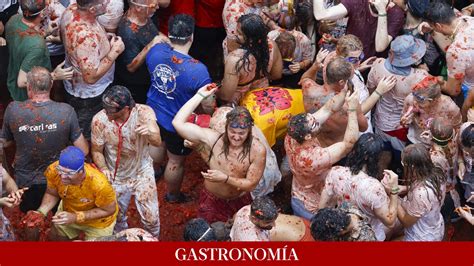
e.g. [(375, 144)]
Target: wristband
[(351, 110), (395, 191), (44, 214), (378, 93), (80, 217), (227, 179), (200, 94), (382, 15)]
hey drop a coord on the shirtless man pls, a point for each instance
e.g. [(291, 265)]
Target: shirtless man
[(338, 73), (236, 163), (254, 64), (309, 160)]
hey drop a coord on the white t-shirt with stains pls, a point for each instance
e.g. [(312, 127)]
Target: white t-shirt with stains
[(361, 190), (389, 107)]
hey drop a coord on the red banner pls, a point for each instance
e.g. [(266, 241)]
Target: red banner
[(173, 253)]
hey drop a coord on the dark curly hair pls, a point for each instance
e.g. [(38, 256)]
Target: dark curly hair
[(367, 152), (255, 44), (196, 230), (264, 209), (467, 136), (328, 223), (418, 168), (298, 127)]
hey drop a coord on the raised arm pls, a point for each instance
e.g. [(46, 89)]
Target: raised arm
[(341, 149), (330, 107), (384, 86), (382, 38), (190, 131), (332, 13), (316, 66), (140, 58)]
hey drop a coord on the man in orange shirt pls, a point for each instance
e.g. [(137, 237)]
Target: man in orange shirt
[(88, 202)]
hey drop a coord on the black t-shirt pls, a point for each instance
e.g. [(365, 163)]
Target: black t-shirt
[(8, 8), (40, 131), (135, 39)]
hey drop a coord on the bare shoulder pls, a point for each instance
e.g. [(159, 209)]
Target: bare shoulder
[(258, 149)]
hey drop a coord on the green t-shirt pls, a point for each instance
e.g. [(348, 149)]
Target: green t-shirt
[(27, 49)]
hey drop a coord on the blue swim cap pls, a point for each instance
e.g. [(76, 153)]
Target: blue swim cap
[(72, 158)]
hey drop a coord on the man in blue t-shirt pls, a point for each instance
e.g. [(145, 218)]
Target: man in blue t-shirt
[(175, 78)]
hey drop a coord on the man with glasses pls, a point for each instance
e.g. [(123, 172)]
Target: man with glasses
[(92, 55), (121, 137), (27, 48), (236, 159), (40, 128), (350, 48), (87, 201), (139, 35)]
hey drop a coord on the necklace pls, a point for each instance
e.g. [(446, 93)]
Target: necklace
[(451, 37)]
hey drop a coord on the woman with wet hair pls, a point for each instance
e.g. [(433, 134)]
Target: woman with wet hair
[(257, 61), (420, 211), (465, 161), (424, 104), (358, 184)]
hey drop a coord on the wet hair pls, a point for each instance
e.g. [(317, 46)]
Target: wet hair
[(286, 43), (288, 21), (418, 168), (328, 223), (348, 43), (2, 155), (242, 117), (304, 12), (263, 208), (298, 127), (39, 79), (430, 87), (337, 70), (83, 4), (198, 230), (467, 136), (439, 12), (442, 133), (181, 29), (255, 43), (119, 95), (366, 151), (31, 8)]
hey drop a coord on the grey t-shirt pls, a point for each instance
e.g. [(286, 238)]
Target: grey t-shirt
[(40, 131)]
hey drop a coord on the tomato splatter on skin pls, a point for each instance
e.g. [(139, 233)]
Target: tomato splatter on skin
[(134, 27), (459, 76)]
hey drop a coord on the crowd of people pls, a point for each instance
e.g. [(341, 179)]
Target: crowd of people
[(363, 109)]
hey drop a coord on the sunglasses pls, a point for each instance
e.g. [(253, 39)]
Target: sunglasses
[(355, 60), (420, 98), (66, 172), (240, 125)]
